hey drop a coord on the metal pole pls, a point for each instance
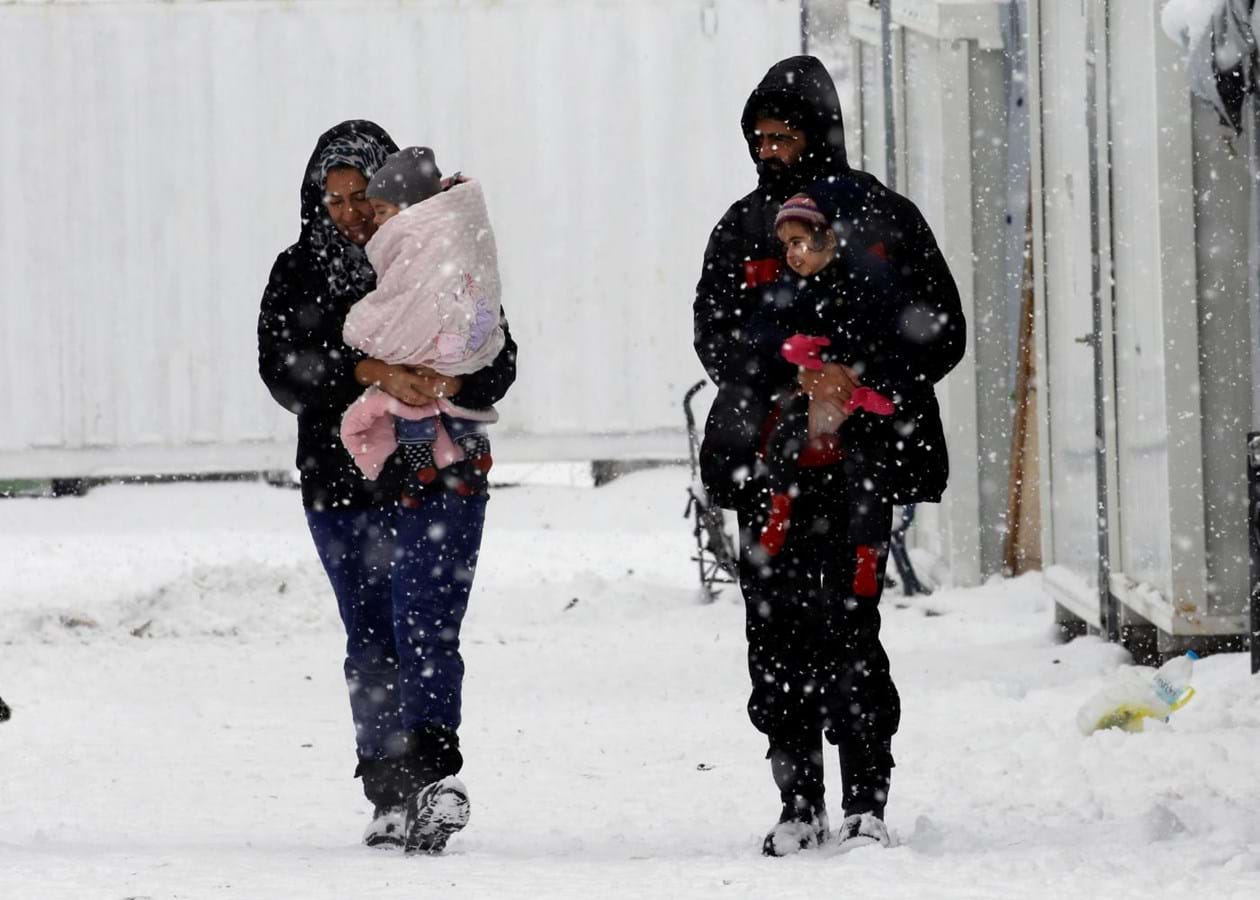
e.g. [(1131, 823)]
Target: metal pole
[(1099, 165), (804, 26), (1253, 541), (1252, 120), (890, 120), (1018, 175)]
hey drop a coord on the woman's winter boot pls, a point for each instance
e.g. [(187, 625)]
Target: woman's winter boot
[(434, 813), (386, 828)]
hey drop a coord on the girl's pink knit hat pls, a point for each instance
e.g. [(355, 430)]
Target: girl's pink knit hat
[(800, 208)]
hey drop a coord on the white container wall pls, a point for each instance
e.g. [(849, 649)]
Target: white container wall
[(1166, 216), (950, 113), (154, 152), (1159, 451), (1222, 187), (1065, 210)]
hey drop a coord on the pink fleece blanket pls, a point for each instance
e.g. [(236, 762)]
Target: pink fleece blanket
[(367, 429), (436, 302)]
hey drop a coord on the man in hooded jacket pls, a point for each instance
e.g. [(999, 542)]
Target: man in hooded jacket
[(814, 656)]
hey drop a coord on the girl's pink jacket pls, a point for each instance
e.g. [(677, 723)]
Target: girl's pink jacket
[(367, 429)]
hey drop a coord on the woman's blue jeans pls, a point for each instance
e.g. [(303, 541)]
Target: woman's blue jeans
[(402, 577)]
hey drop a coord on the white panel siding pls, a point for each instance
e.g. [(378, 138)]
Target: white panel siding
[(154, 153)]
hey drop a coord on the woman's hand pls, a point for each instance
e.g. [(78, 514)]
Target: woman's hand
[(438, 386), (833, 382), (413, 386)]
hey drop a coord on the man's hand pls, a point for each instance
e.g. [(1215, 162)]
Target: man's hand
[(825, 417), (832, 383), (413, 386)]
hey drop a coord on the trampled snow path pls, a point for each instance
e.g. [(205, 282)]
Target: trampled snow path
[(608, 753)]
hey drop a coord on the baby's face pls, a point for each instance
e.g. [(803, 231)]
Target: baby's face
[(808, 252), (383, 211)]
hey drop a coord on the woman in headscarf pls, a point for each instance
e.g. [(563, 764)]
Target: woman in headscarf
[(400, 554)]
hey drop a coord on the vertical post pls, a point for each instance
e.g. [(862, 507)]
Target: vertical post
[(1253, 542), (1018, 173), (1019, 282), (1252, 124), (1099, 168), (804, 26), (1013, 547), (890, 122)]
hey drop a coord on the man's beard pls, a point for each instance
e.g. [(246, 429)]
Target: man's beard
[(775, 176), (772, 168)]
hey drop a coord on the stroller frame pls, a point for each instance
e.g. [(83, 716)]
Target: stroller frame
[(715, 556)]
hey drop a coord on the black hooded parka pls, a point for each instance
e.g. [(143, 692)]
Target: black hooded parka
[(742, 265)]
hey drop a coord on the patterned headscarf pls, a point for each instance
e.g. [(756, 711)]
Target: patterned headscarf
[(353, 151), (347, 266)]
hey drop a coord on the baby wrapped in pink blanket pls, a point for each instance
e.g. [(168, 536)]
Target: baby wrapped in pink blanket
[(436, 304)]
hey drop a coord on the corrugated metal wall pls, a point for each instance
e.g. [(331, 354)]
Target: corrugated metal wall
[(153, 153), (1171, 207)]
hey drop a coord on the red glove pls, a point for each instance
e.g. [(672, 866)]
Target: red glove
[(866, 576), (870, 400), (804, 351)]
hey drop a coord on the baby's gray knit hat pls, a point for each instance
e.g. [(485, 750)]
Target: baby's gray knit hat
[(408, 177)]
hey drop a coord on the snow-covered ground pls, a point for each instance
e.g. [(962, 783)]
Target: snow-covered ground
[(180, 727)]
